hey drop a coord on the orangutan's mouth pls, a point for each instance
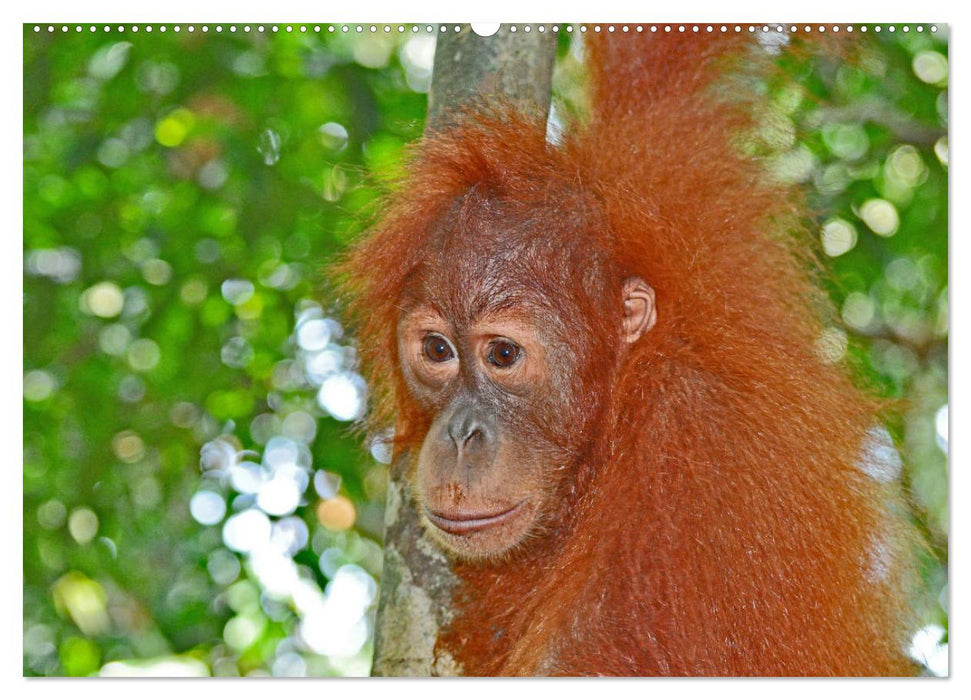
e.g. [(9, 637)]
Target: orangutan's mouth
[(464, 522)]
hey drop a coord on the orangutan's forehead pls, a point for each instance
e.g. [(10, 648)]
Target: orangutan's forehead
[(483, 258), (475, 287)]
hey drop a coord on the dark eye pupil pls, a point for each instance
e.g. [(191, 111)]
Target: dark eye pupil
[(504, 354), (437, 349)]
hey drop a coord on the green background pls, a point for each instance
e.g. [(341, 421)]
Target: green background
[(183, 193)]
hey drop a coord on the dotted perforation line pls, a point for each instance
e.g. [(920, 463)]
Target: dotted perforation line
[(428, 28)]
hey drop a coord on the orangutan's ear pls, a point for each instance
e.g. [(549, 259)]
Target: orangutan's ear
[(640, 314)]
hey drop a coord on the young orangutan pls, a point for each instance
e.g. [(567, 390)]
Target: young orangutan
[(600, 358)]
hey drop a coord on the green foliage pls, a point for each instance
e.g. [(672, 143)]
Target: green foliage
[(182, 195), (874, 138), (877, 145)]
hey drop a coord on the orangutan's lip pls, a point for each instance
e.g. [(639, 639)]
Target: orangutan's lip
[(459, 522)]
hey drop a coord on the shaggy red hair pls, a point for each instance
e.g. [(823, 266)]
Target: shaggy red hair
[(723, 524)]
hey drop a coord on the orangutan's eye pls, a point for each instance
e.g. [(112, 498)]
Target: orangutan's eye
[(437, 348), (503, 353)]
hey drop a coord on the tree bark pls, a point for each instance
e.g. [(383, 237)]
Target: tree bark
[(506, 67), (417, 581)]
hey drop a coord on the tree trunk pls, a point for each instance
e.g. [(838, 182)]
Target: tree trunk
[(506, 67), (417, 582)]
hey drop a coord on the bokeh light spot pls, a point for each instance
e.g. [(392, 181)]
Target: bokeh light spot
[(237, 291), (108, 61), (241, 632), (223, 566), (373, 52), (61, 265), (881, 216), (289, 665), (930, 67), (237, 352), (113, 339), (326, 484), (172, 130), (382, 448), (838, 236), (52, 514), (859, 311), (264, 427), (906, 166), (213, 174), (39, 385), (336, 513), (290, 535), (300, 426), (131, 389), (247, 531), (880, 459), (928, 648), (184, 414), (207, 507), (83, 525), (333, 136), (104, 299), (193, 292), (157, 78), (903, 274), (84, 601), (337, 626), (342, 396), (941, 427), (144, 354), (156, 272), (279, 496), (165, 667), (846, 141), (940, 150), (113, 153), (417, 56), (246, 477), (313, 334), (831, 345), (217, 454), (128, 446), (269, 146)]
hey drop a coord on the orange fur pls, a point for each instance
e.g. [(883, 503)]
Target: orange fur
[(720, 523)]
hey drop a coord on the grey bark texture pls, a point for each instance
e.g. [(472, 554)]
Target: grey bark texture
[(506, 67), (417, 581)]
